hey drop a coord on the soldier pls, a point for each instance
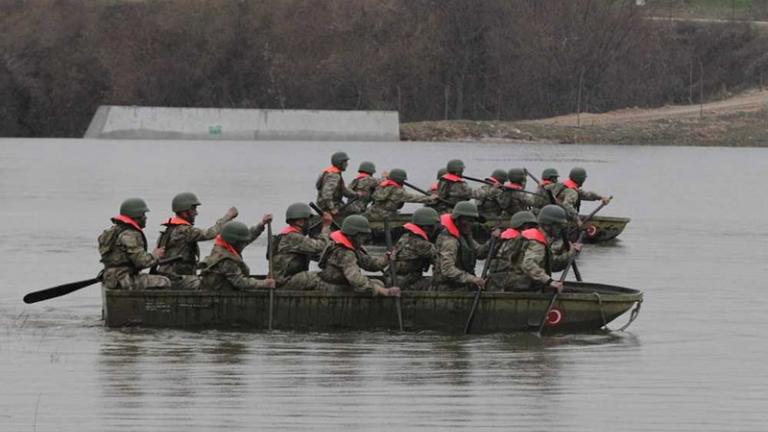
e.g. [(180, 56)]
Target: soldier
[(123, 249), (344, 257), (539, 259), (224, 269), (389, 196), (504, 273), (487, 196), (180, 239), (569, 194), (457, 251), (415, 251), (294, 249), (363, 185), (548, 178), (514, 197), (330, 185), (452, 187)]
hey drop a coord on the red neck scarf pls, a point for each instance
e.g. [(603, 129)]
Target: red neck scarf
[(177, 221), (509, 234), (340, 238), (546, 182), (128, 220), (535, 234), (332, 169), (570, 184), (362, 175), (389, 182), (416, 230), (453, 178), (515, 186), (494, 181), (447, 221), (291, 229), (223, 243)]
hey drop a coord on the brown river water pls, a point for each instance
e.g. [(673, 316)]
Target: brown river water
[(694, 360)]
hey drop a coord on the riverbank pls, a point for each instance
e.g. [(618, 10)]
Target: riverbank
[(740, 121)]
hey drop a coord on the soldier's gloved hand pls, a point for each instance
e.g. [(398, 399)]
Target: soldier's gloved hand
[(231, 213), (159, 252), (478, 282), (496, 233), (327, 219), (557, 286), (267, 218), (391, 255), (269, 283), (576, 246), (606, 200)]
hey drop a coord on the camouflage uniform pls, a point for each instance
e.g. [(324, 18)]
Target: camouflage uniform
[(341, 266), (293, 252), (414, 256), (534, 266), (331, 188), (225, 270), (569, 196), (123, 249), (451, 188), (456, 258), (514, 198), (366, 184), (487, 199), (389, 197), (180, 239), (500, 274)]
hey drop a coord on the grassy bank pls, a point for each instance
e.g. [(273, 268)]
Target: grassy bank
[(748, 129)]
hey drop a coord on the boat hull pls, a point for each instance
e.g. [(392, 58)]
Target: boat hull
[(578, 309)]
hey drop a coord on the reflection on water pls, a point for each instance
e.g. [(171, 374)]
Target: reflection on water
[(694, 360)]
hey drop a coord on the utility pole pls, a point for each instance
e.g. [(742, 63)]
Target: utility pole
[(701, 90)]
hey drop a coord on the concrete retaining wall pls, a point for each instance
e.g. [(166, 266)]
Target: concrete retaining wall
[(243, 124)]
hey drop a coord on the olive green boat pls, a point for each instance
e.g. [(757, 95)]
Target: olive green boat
[(600, 229), (581, 307)]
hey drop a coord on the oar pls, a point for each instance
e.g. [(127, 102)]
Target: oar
[(423, 192), (486, 266), (475, 179), (314, 225), (271, 274), (393, 271), (320, 213), (65, 289), (571, 261)]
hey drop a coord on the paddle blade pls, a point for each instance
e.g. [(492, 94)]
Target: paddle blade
[(58, 291)]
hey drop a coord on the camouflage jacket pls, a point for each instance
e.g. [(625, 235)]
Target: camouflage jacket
[(414, 254), (180, 239), (569, 195), (539, 260), (293, 251), (456, 259), (366, 184), (225, 270), (330, 189), (452, 189), (123, 249), (514, 199), (342, 265), (487, 199), (389, 197), (509, 250)]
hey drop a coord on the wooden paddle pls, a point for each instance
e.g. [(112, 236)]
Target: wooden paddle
[(320, 213), (423, 192), (65, 289), (571, 261), (271, 274), (486, 266), (393, 271)]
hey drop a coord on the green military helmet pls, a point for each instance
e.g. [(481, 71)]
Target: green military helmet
[(550, 174), (338, 158), (398, 175), (367, 167), (184, 201), (578, 174), (441, 172), (133, 207), (552, 215), (516, 175), (455, 166), (425, 216), (298, 210), (235, 232), (355, 224), (465, 209), (500, 175), (521, 218)]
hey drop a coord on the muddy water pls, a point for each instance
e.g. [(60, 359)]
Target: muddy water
[(694, 360)]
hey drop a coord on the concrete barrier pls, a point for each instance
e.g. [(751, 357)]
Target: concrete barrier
[(243, 124)]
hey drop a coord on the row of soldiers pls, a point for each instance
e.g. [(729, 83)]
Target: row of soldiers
[(503, 193)]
